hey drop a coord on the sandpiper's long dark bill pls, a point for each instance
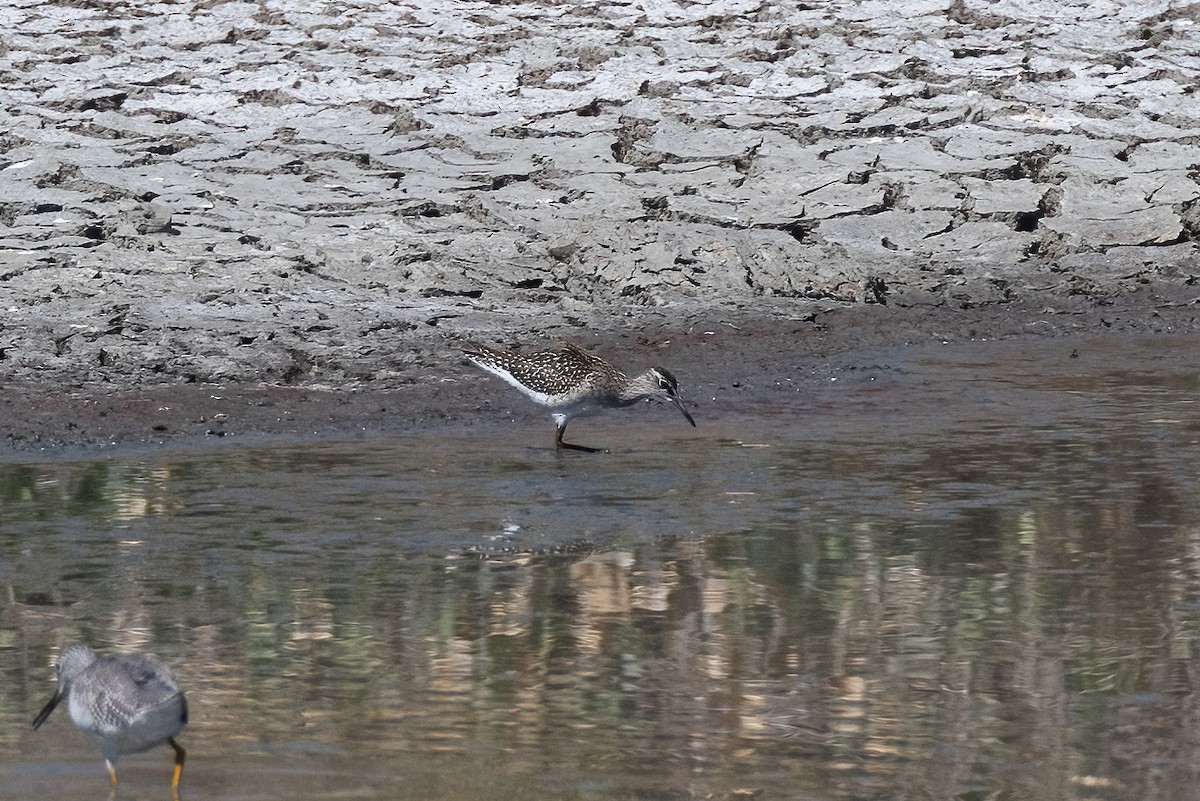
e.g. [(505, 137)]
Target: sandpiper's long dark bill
[(571, 382), (127, 703)]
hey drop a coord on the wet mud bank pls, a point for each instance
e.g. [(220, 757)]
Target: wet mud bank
[(261, 219), (729, 361)]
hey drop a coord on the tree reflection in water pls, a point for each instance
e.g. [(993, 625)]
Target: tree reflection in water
[(926, 609)]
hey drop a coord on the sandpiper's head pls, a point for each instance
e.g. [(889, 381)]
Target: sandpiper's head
[(70, 664), (659, 383)]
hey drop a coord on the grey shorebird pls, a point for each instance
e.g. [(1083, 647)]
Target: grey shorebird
[(571, 383), (127, 703)]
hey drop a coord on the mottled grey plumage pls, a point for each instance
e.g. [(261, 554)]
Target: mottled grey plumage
[(127, 703), (571, 382)]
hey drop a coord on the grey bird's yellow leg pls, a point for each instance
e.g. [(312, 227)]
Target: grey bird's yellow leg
[(180, 756)]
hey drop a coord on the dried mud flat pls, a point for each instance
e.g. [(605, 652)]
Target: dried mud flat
[(280, 218)]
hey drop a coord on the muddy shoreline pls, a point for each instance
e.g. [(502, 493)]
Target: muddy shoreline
[(232, 220), (728, 361)]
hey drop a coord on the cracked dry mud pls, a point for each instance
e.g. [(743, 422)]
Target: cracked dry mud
[(290, 213)]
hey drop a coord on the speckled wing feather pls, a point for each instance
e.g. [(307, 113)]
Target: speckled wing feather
[(546, 373)]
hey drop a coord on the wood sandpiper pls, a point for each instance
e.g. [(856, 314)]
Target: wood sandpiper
[(127, 703), (571, 382)]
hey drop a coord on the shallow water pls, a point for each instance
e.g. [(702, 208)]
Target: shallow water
[(966, 571)]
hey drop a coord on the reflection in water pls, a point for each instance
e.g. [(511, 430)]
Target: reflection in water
[(960, 585)]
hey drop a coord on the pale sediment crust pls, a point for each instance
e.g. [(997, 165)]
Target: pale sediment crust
[(306, 209)]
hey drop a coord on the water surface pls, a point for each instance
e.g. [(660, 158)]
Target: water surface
[(966, 571)]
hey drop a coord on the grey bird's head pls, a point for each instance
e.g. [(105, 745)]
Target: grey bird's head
[(71, 663)]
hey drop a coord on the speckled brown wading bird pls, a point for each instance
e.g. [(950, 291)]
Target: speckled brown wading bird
[(571, 383), (127, 703)]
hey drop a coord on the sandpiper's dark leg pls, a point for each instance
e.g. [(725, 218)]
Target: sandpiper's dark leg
[(559, 444)]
